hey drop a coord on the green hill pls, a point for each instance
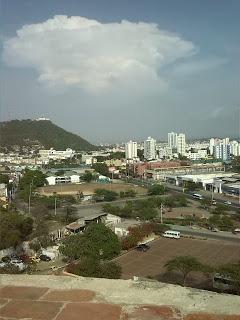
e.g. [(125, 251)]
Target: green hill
[(46, 133)]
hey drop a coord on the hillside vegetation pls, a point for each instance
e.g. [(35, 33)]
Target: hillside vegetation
[(27, 132)]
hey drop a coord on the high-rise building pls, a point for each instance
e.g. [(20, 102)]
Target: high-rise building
[(131, 150), (150, 149), (222, 151), (226, 141), (181, 144), (235, 148), (211, 145), (172, 140)]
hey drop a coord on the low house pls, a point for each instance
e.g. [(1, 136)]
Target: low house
[(122, 229), (80, 224)]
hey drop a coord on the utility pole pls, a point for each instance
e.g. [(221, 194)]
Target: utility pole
[(239, 196), (212, 192), (29, 197), (55, 206), (161, 213)]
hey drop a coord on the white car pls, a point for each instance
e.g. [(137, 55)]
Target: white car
[(228, 202)]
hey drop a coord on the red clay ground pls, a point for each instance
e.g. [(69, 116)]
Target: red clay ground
[(46, 304), (151, 263)]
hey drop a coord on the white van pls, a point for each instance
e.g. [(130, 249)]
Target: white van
[(171, 234)]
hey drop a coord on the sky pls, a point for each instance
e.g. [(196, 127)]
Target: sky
[(114, 70)]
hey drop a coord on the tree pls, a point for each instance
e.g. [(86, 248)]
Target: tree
[(101, 168), (41, 227), (73, 246), (182, 200), (156, 189), (105, 195), (110, 270), (87, 177), (14, 229), (69, 214), (60, 172), (97, 242), (184, 265), (159, 228), (34, 177), (104, 239), (88, 267)]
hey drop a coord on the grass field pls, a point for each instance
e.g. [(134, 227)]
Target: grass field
[(88, 188), (151, 263)]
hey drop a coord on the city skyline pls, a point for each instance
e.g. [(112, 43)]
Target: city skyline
[(91, 89)]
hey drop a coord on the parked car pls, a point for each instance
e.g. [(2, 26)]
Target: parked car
[(214, 202), (228, 202), (34, 259), (43, 257), (6, 259), (3, 264), (142, 247)]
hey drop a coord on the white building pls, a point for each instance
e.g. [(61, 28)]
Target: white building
[(200, 154), (222, 151), (181, 144), (172, 140), (57, 155), (53, 180), (211, 145), (226, 141), (235, 148), (131, 150), (150, 149)]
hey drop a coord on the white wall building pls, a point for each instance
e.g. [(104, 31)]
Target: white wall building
[(172, 140), (53, 180), (57, 155), (131, 150), (211, 145), (235, 148), (150, 149), (181, 144)]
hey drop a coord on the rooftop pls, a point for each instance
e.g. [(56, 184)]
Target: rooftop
[(76, 298)]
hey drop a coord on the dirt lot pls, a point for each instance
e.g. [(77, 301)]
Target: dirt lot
[(88, 188), (151, 263), (193, 208)]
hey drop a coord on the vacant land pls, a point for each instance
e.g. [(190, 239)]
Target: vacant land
[(151, 263), (89, 188)]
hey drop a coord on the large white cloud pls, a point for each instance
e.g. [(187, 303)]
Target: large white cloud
[(75, 51)]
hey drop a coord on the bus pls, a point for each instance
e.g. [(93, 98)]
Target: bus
[(171, 234)]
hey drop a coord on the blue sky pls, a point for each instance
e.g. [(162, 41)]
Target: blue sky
[(123, 80)]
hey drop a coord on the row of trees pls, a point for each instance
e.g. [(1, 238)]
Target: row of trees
[(109, 195), (139, 233), (188, 264)]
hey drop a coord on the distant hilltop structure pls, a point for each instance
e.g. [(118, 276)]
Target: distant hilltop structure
[(42, 119)]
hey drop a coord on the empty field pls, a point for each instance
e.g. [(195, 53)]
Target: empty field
[(151, 263), (89, 188)]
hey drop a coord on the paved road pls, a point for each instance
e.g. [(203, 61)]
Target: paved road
[(207, 194), (220, 235)]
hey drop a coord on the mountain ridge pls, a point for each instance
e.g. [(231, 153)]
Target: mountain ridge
[(22, 132)]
